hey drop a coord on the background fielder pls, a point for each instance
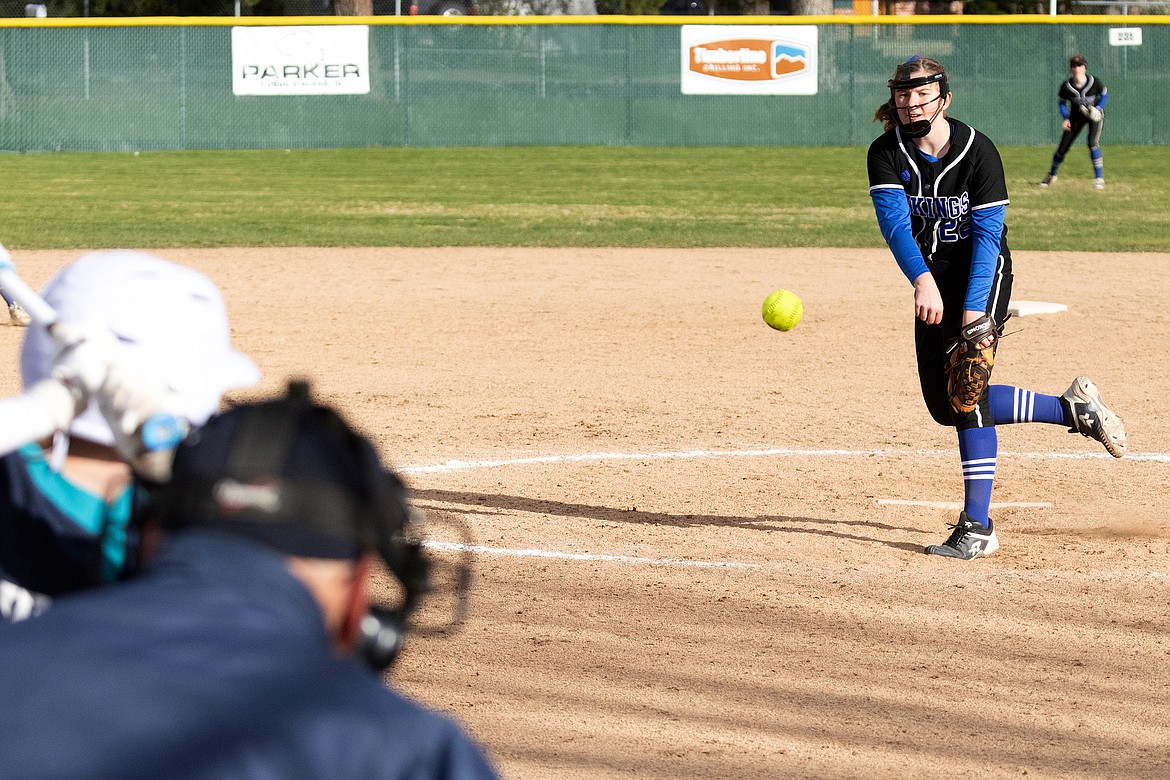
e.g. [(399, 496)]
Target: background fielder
[(1081, 100)]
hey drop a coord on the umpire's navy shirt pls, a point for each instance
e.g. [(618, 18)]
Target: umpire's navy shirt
[(213, 664)]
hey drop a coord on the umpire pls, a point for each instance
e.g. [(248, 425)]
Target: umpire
[(239, 652)]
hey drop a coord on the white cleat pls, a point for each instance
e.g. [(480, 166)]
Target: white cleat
[(1098, 184), (968, 540), (1049, 179), (1092, 418), (18, 315)]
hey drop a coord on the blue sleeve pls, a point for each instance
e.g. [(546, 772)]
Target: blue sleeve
[(893, 216), (987, 234), (1063, 109), (1104, 97)]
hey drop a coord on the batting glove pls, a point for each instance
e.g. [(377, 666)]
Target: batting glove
[(83, 358), (134, 401), (57, 406)]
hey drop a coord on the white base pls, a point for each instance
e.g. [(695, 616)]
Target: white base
[(1025, 308)]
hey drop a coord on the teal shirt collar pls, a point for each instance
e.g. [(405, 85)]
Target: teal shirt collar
[(88, 511)]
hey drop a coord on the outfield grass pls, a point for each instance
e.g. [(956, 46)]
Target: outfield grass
[(546, 196)]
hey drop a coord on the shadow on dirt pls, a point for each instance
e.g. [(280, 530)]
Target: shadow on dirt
[(494, 503)]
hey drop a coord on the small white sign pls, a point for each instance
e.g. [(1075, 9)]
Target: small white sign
[(749, 59), (1125, 36), (322, 60)]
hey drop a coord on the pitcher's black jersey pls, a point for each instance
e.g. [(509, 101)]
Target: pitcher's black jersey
[(943, 193)]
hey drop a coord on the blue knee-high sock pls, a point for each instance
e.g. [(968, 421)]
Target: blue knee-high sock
[(977, 450), (1098, 162), (1017, 405)]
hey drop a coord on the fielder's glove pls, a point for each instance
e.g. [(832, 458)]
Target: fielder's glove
[(969, 366)]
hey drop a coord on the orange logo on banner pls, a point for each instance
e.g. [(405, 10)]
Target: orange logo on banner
[(747, 59), (740, 60), (790, 63)]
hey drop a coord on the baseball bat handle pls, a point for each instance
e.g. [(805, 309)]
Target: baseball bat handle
[(161, 431)]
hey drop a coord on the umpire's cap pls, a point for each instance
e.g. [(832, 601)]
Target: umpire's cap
[(293, 475)]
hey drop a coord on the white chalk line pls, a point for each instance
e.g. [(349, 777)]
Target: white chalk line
[(470, 465), (593, 457), (789, 567), (594, 557)]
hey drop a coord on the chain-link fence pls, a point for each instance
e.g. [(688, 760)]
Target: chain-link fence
[(171, 87)]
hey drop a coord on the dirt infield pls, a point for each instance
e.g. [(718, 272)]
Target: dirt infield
[(694, 562)]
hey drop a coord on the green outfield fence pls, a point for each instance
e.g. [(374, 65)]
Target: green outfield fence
[(153, 84)]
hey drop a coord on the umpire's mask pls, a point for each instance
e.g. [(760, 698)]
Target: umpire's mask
[(294, 476)]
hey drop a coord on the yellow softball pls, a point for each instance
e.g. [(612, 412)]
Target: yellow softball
[(783, 310)]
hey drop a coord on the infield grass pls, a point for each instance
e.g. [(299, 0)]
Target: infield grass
[(540, 196)]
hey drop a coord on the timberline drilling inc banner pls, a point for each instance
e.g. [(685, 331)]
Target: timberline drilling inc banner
[(749, 59), (325, 60)]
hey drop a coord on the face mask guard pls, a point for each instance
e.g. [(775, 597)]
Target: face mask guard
[(919, 127)]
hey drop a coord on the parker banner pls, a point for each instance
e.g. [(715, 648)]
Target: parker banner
[(749, 59), (324, 60)]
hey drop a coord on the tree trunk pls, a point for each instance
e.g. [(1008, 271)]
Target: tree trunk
[(353, 7), (812, 7)]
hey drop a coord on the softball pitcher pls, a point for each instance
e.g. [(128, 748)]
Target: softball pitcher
[(938, 189), (1081, 100)]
